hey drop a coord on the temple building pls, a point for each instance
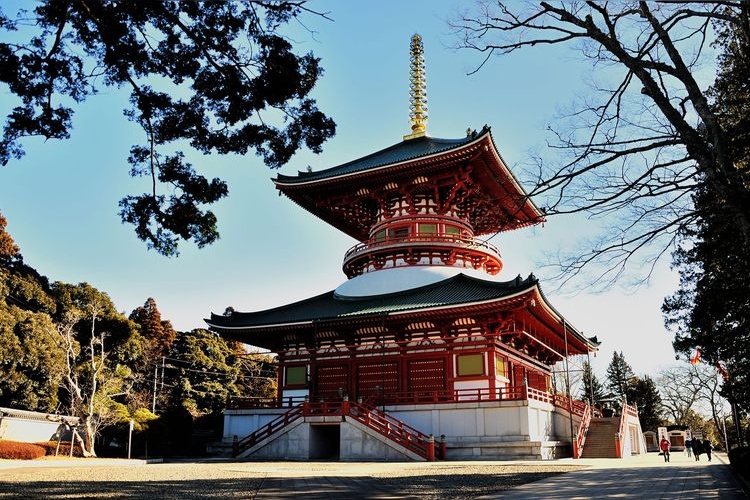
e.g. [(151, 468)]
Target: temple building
[(423, 352)]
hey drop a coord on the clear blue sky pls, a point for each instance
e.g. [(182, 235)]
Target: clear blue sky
[(61, 199)]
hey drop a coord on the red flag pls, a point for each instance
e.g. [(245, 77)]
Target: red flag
[(696, 357), (722, 371)]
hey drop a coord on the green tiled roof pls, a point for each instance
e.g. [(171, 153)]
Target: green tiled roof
[(402, 151), (454, 291)]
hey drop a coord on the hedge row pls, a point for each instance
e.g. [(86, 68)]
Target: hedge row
[(20, 451), (15, 450)]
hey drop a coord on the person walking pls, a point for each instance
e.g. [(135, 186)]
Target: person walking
[(697, 449), (707, 448), (664, 447), (689, 447)]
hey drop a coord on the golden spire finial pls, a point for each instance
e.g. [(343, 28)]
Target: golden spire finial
[(418, 90)]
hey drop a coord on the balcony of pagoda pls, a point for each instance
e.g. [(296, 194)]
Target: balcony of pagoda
[(434, 397), (447, 250)]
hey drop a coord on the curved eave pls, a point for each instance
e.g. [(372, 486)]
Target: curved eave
[(372, 164), (576, 337), (264, 334), (497, 178)]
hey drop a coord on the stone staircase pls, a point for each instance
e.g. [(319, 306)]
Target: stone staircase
[(600, 439)]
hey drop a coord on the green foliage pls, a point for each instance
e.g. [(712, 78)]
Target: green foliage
[(207, 374), (711, 310), (30, 360), (14, 450), (645, 396), (141, 418), (215, 75), (157, 333), (592, 391), (620, 376)]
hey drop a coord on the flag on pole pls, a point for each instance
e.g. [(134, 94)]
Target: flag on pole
[(722, 370), (696, 357)]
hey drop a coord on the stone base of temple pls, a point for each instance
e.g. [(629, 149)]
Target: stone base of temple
[(489, 449), (479, 430)]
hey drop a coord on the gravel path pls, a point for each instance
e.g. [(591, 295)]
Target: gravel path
[(265, 480)]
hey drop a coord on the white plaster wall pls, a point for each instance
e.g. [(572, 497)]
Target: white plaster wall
[(509, 421), (27, 431), (240, 423), (359, 444), (471, 384), (293, 444), (295, 394)]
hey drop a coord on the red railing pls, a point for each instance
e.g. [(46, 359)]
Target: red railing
[(583, 429), (456, 241), (620, 437), (577, 407), (267, 430), (517, 393), (393, 429), (382, 423), (240, 403)]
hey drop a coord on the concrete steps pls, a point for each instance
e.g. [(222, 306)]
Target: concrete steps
[(600, 439)]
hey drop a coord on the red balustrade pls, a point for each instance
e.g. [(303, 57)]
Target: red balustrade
[(267, 430)]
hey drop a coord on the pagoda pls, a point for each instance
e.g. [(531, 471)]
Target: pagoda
[(423, 352)]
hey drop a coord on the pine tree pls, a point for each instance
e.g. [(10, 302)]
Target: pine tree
[(643, 394), (593, 390), (158, 333), (619, 376)]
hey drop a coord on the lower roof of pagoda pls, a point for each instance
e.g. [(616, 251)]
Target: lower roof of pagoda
[(459, 295)]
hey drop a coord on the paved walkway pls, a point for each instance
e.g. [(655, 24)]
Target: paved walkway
[(647, 477)]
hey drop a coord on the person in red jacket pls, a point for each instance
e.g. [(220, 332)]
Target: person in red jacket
[(664, 446)]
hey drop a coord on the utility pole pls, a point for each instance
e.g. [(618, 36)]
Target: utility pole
[(156, 375)]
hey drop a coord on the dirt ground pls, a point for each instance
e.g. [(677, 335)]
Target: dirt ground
[(213, 480)]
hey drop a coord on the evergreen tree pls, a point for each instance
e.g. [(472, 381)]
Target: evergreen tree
[(157, 333), (206, 374), (593, 390), (8, 247), (217, 76), (711, 310), (643, 394), (620, 376)]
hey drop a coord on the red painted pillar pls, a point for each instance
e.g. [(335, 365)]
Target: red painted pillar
[(431, 448)]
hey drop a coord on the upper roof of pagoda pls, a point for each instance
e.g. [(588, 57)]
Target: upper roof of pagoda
[(336, 195), (457, 293)]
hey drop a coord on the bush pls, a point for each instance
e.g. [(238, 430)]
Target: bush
[(50, 447), (20, 451)]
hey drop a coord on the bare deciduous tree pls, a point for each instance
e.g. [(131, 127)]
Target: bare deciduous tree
[(636, 147), (688, 389), (91, 379)]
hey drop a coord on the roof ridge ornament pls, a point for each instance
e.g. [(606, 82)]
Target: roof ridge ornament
[(418, 90)]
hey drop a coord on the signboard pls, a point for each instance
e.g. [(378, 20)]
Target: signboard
[(661, 432)]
